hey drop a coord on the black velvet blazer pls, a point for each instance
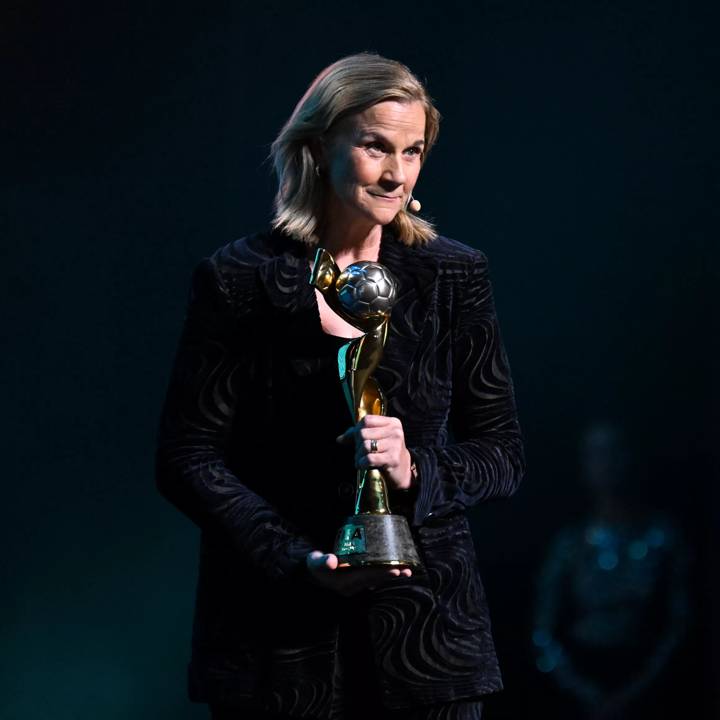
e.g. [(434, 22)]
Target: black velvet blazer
[(263, 629)]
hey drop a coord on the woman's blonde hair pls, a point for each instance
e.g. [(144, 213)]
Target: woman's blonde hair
[(350, 85)]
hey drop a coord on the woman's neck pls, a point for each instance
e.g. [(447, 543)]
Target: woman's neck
[(350, 244)]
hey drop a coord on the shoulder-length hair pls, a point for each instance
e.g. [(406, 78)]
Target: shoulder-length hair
[(350, 85)]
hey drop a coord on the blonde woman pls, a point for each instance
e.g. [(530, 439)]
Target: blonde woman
[(254, 444)]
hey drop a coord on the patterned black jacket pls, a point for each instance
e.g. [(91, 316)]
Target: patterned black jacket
[(263, 629)]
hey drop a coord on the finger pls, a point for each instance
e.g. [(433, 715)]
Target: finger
[(381, 445), (365, 453), (312, 558), (374, 433), (374, 421), (376, 460), (400, 572), (383, 435), (321, 561)]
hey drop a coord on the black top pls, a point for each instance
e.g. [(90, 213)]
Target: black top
[(308, 388)]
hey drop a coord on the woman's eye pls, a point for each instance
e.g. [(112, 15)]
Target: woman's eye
[(377, 147)]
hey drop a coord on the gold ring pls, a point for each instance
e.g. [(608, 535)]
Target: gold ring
[(373, 446)]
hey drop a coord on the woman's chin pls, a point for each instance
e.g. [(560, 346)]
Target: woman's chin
[(374, 216), (383, 217)]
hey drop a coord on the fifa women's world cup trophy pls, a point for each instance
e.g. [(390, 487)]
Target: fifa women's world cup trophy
[(363, 294)]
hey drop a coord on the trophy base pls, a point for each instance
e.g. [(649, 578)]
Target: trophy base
[(377, 541)]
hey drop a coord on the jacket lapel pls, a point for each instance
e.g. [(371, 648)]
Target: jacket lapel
[(416, 272), (285, 274)]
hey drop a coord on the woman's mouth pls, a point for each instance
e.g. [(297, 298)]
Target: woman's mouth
[(389, 198)]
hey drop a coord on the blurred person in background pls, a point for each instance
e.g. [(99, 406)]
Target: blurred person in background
[(612, 594)]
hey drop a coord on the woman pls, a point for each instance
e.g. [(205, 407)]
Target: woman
[(254, 443)]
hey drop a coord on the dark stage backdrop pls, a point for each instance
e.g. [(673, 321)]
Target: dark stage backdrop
[(578, 150)]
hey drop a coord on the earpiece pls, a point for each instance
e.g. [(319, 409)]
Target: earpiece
[(413, 204)]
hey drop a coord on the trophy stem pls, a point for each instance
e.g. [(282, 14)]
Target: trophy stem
[(372, 496)]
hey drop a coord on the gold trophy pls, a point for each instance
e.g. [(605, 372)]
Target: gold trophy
[(363, 294)]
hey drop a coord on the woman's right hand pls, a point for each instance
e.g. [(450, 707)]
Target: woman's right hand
[(323, 569)]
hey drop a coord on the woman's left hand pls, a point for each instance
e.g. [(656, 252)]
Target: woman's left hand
[(389, 452)]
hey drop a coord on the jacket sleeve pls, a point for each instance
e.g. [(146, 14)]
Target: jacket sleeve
[(486, 460), (211, 368)]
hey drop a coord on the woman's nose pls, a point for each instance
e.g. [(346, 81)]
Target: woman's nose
[(394, 169)]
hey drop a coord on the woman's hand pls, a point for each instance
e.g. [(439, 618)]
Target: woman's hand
[(388, 453), (323, 569)]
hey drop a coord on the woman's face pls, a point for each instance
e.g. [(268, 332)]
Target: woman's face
[(372, 160)]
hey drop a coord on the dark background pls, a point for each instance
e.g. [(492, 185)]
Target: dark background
[(578, 149)]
